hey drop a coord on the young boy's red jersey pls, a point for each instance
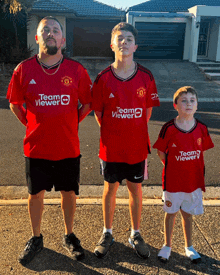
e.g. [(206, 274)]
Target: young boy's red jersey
[(184, 164), (52, 106), (123, 103)]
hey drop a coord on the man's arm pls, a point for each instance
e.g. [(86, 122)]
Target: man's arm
[(20, 112), (162, 156), (149, 112), (84, 110), (98, 117)]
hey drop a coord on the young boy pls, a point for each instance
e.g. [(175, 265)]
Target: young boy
[(123, 97), (180, 146)]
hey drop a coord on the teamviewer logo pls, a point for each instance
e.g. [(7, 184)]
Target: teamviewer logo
[(138, 112), (65, 99)]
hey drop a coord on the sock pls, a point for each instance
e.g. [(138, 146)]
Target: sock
[(165, 252), (109, 230), (134, 231)]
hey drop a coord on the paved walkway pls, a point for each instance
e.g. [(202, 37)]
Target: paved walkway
[(15, 231)]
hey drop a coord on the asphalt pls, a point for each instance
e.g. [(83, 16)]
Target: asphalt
[(15, 225)]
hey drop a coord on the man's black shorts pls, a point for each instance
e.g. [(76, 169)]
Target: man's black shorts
[(43, 174), (118, 171)]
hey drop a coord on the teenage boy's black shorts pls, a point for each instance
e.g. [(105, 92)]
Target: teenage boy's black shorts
[(43, 174), (118, 171)]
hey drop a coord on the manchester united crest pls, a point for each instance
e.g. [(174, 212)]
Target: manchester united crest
[(199, 141), (168, 203), (141, 92), (66, 80)]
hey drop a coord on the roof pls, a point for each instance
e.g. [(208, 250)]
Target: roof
[(159, 14), (79, 7), (50, 5), (172, 5)]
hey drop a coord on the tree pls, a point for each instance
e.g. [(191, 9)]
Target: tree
[(13, 17), (16, 6)]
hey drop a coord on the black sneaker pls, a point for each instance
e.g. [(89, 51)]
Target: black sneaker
[(139, 246), (72, 245), (104, 244), (32, 248)]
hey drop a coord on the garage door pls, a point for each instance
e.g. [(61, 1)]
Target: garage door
[(160, 40)]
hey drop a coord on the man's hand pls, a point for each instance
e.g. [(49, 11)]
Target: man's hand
[(20, 112)]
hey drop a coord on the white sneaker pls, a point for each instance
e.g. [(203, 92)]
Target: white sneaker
[(192, 254), (164, 254)]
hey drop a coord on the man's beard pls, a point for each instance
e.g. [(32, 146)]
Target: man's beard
[(51, 50)]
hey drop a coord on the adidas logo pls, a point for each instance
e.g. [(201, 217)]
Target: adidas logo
[(32, 82), (111, 95), (174, 145)]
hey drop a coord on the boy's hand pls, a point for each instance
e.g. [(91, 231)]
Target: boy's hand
[(162, 156)]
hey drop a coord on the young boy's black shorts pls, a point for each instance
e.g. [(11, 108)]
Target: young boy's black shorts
[(118, 171), (44, 174)]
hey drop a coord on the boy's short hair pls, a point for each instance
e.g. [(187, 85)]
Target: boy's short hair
[(123, 26), (184, 90), (50, 18)]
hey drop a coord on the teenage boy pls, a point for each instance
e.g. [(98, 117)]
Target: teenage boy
[(50, 85), (123, 97), (180, 146)]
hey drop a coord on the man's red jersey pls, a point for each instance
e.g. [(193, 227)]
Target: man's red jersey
[(123, 103), (184, 164), (52, 106)]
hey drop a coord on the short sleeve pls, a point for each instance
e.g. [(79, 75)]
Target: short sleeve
[(152, 98), (162, 142), (97, 95), (85, 85), (207, 141), (16, 92)]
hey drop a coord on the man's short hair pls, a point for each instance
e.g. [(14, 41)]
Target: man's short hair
[(184, 90), (50, 18), (123, 26)]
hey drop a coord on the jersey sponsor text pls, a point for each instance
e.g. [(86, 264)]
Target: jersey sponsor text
[(127, 113), (190, 155), (52, 100)]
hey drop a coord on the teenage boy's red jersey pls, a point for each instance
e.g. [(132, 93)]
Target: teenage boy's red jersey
[(123, 103), (184, 164), (52, 106)]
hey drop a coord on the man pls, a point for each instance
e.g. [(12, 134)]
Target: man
[(50, 85), (123, 97)]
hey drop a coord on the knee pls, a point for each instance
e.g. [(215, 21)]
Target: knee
[(135, 190), (39, 196), (68, 194), (110, 189)]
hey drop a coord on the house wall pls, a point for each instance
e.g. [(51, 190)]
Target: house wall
[(214, 40), (187, 43), (31, 32)]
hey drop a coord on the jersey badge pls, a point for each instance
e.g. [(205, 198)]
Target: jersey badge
[(111, 95), (168, 203), (174, 145), (199, 141), (141, 92), (32, 81), (67, 81)]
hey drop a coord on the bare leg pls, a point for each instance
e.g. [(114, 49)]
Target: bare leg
[(187, 227), (169, 222), (135, 203), (68, 205), (35, 209), (108, 202)]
